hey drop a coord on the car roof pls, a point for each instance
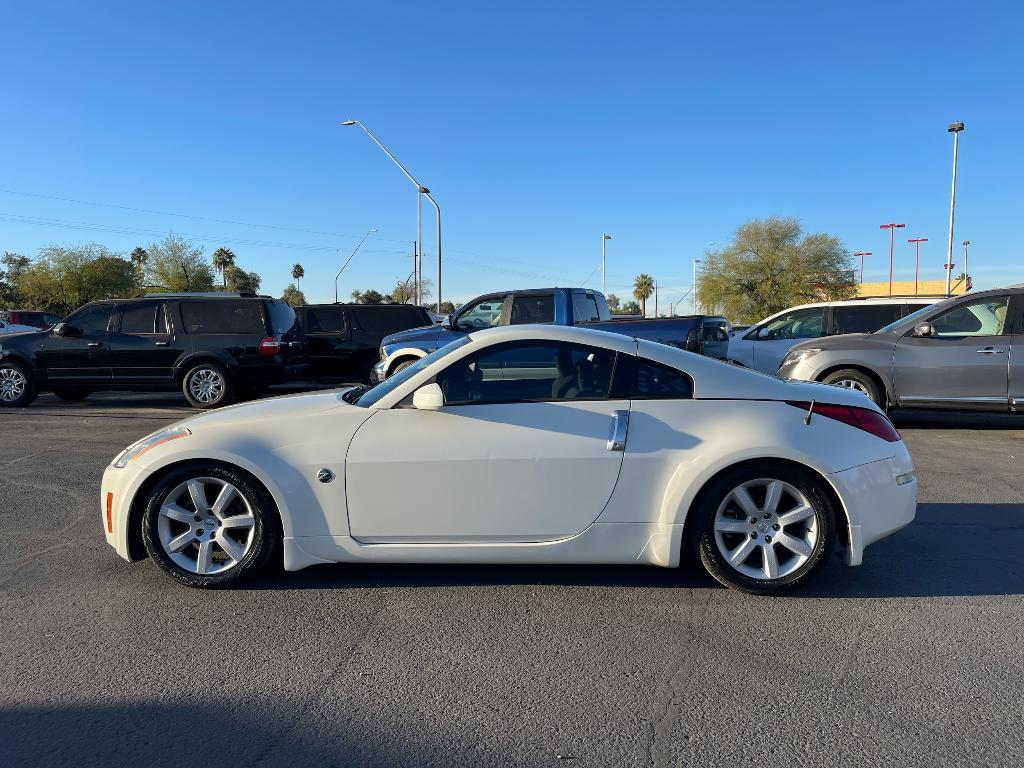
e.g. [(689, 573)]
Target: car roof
[(546, 332)]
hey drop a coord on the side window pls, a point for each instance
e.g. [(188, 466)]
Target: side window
[(326, 321), (486, 313), (798, 324), (92, 321), (984, 317), (866, 318), (529, 371), (584, 308), (384, 319), (539, 308), (654, 380), (220, 316), (138, 318)]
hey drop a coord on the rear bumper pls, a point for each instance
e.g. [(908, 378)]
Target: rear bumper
[(880, 499)]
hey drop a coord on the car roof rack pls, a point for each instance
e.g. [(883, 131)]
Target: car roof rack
[(204, 294)]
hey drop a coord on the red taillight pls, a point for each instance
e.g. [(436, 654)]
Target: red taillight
[(861, 418), (270, 346)]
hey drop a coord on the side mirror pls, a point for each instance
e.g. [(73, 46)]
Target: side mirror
[(448, 322), (429, 397), (763, 332), (63, 329), (692, 343), (923, 330)]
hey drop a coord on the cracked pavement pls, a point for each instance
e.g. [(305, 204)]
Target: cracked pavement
[(914, 659)]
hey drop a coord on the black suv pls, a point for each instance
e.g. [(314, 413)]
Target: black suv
[(215, 347)]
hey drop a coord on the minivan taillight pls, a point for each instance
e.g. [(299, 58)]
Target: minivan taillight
[(270, 346), (861, 418)]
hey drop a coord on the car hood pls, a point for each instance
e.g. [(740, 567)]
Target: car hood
[(21, 337), (284, 408), (429, 335), (849, 342)]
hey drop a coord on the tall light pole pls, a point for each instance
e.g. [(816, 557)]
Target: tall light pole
[(917, 256), (862, 254), (421, 190), (694, 287), (604, 242), (349, 259), (955, 129), (967, 275), (892, 244)]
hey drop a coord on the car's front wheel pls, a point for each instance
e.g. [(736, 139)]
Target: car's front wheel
[(765, 528), (17, 385), (209, 526), (851, 378), (208, 385)]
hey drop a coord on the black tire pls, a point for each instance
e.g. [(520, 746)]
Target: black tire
[(403, 365), (719, 495), (266, 531), (221, 386), (72, 393), (18, 386), (852, 378)]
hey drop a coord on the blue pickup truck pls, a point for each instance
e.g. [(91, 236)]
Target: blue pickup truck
[(703, 334)]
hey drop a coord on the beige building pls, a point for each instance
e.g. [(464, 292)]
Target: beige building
[(906, 288)]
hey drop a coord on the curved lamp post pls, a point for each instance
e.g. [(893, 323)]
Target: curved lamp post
[(349, 259)]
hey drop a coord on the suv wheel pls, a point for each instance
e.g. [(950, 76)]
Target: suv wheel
[(851, 378), (17, 385), (208, 385)]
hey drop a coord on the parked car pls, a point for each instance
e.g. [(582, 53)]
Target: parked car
[(764, 345), (8, 328), (965, 352), (559, 444), (342, 340), (703, 334), (214, 347), (30, 317)]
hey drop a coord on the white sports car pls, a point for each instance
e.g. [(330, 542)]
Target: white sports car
[(523, 444)]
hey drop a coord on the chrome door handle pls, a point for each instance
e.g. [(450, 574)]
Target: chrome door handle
[(617, 433), (989, 351), (95, 343), (161, 343)]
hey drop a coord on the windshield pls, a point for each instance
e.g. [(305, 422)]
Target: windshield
[(913, 316), (364, 397)]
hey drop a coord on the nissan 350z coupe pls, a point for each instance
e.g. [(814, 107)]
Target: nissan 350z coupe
[(526, 444)]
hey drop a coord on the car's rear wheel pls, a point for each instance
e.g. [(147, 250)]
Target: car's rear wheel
[(209, 526), (208, 385), (765, 528), (851, 378), (17, 385), (72, 393)]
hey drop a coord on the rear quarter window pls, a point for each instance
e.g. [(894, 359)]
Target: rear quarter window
[(656, 381), (863, 319), (282, 316), (221, 316)]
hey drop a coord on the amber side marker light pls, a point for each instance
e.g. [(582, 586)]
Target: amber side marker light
[(110, 512)]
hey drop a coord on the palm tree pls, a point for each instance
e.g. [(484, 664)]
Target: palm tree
[(222, 259), (138, 258), (297, 274), (643, 287)]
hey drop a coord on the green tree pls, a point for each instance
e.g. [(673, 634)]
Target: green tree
[(447, 307), (643, 287), (63, 279), (370, 296), (773, 264), (11, 267), (237, 279), (613, 303), (222, 259), (138, 258), (298, 273), (293, 296), (174, 264), (629, 308)]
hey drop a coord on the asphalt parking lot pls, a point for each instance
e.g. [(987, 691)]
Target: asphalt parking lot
[(915, 658)]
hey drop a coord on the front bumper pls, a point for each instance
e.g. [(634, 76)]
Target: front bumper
[(880, 499)]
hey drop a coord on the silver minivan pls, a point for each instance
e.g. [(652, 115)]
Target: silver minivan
[(764, 345)]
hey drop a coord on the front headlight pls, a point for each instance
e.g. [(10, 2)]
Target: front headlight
[(151, 441), (799, 356), (383, 355)]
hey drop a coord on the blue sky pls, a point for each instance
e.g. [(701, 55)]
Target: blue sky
[(537, 125)]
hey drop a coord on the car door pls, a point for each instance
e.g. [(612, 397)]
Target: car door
[(519, 452), (328, 346), (963, 363), (142, 347), (775, 338), (81, 352)]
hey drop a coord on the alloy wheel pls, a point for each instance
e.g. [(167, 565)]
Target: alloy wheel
[(766, 528), (852, 384), (206, 385), (12, 384), (206, 525)]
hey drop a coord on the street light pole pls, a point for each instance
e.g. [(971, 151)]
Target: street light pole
[(862, 254), (917, 256), (892, 244), (694, 286), (604, 241), (967, 275), (348, 260), (421, 190), (955, 129)]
